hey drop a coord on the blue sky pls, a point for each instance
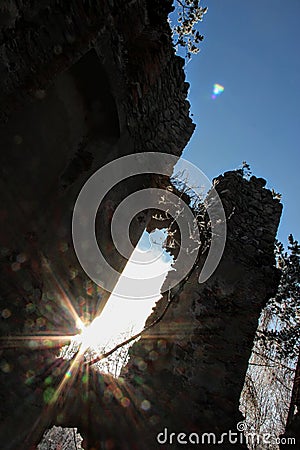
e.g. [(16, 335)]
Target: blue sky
[(253, 51)]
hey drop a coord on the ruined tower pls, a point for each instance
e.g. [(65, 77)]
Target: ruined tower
[(82, 84)]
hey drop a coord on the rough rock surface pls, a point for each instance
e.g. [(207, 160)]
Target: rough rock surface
[(82, 83), (196, 358), (185, 375)]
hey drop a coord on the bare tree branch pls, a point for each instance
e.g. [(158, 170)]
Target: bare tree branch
[(74, 437), (274, 360), (134, 337)]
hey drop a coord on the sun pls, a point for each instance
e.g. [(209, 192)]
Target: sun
[(92, 337)]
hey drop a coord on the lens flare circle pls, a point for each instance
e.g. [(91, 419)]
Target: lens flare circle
[(217, 90)]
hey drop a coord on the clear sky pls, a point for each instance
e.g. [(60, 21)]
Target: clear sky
[(253, 51)]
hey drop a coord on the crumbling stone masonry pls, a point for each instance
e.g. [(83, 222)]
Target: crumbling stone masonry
[(195, 359), (186, 373), (82, 83)]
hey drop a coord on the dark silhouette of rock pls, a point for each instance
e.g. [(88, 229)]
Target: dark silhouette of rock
[(83, 83)]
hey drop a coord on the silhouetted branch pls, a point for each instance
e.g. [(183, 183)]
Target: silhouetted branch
[(274, 360), (74, 437), (132, 338)]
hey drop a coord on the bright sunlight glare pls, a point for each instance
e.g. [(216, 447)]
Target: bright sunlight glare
[(124, 317)]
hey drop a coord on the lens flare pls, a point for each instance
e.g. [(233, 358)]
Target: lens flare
[(217, 90)]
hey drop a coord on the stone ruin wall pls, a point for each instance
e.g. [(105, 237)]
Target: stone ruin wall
[(55, 57), (191, 366), (187, 372), (196, 358)]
